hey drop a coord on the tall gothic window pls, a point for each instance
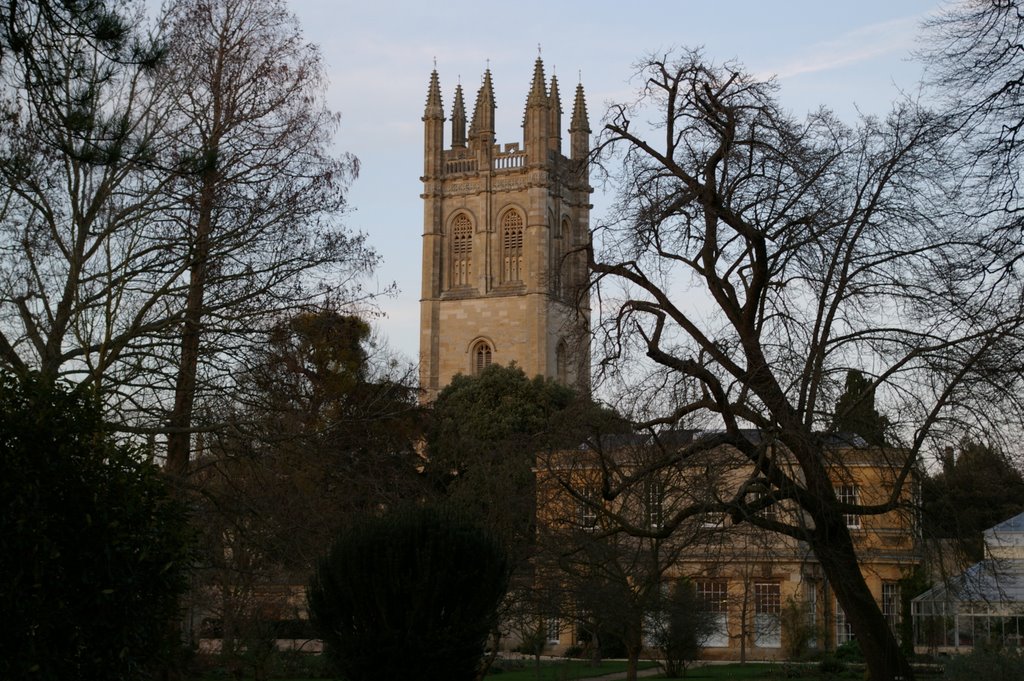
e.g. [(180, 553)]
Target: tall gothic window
[(562, 362), (481, 356), (512, 247), (565, 272), (461, 250)]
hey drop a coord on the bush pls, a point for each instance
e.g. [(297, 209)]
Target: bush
[(411, 594), (990, 665), (797, 628), (850, 652), (679, 627), (831, 665), (93, 552)]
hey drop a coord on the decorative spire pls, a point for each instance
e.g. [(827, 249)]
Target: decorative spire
[(580, 121), (483, 112), (537, 118), (458, 119), (434, 109), (579, 128), (538, 95), (554, 97), (554, 115)]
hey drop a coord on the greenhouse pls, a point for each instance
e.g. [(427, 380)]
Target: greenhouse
[(984, 606)]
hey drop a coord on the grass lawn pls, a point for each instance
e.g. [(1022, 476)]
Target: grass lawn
[(727, 672), (556, 670), (572, 670), (568, 670)]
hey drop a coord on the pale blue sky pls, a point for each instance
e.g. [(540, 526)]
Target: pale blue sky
[(845, 55)]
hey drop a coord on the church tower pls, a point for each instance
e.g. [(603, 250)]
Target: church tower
[(505, 228)]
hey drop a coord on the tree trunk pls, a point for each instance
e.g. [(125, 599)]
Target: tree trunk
[(179, 436), (491, 655), (833, 546), (632, 660)]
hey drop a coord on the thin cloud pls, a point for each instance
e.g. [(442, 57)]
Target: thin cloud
[(859, 45)]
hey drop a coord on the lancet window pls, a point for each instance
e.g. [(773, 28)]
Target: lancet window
[(461, 246), (512, 247)]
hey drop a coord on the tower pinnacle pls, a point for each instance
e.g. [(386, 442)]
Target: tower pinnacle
[(554, 116), (482, 127), (434, 108), (579, 127), (458, 119)]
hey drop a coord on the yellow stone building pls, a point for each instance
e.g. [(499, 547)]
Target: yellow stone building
[(757, 583), (505, 231)]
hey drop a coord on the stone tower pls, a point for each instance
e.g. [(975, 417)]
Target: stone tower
[(505, 228)]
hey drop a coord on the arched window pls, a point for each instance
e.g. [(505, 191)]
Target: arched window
[(512, 247), (481, 356), (461, 245)]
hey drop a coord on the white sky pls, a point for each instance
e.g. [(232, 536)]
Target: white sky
[(848, 55)]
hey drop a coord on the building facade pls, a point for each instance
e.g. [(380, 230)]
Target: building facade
[(505, 234), (763, 588)]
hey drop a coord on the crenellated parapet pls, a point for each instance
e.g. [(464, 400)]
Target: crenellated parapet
[(479, 151)]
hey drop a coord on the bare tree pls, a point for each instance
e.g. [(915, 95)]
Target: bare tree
[(162, 201), (321, 430), (973, 50), (614, 561), (259, 204), (83, 271), (754, 260)]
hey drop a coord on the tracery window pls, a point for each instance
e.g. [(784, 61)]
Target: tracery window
[(481, 356), (461, 250), (512, 247)]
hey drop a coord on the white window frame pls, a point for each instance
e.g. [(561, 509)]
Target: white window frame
[(892, 604), (844, 632), (553, 629), (715, 594), (654, 503), (849, 494), (767, 615)]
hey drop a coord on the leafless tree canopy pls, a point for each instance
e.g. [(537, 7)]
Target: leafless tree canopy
[(161, 209), (975, 69), (754, 259)]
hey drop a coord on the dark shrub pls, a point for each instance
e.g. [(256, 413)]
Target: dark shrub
[(412, 594), (990, 665), (850, 652), (93, 552), (831, 665)]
